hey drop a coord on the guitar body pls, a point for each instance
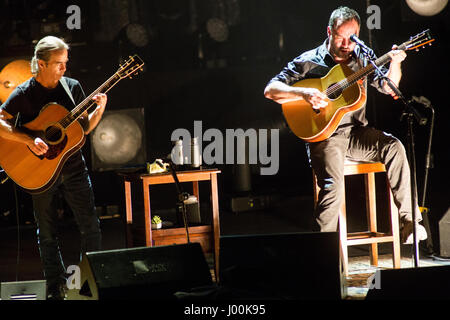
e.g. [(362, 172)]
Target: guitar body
[(33, 173), (310, 126)]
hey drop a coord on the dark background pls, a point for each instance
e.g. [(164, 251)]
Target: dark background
[(189, 76)]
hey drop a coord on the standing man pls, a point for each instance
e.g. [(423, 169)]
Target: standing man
[(352, 139), (48, 84)]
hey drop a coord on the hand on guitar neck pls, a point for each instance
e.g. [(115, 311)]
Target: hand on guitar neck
[(395, 71), (94, 117)]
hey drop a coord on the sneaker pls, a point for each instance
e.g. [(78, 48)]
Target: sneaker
[(406, 232)]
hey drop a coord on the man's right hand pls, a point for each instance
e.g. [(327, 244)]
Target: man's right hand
[(283, 93), (38, 146), (315, 98)]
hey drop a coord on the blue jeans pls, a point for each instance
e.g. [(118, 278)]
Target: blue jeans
[(76, 189)]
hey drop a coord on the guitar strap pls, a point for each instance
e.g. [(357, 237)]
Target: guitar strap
[(66, 88)]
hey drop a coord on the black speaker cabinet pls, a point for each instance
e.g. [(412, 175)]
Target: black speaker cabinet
[(444, 235), (422, 283), (302, 266), (141, 273), (119, 140)]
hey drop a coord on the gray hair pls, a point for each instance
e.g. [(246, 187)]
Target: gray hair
[(43, 50), (343, 14)]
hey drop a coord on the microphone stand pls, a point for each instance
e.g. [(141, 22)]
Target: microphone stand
[(410, 112), (427, 104), (182, 196), (429, 243)]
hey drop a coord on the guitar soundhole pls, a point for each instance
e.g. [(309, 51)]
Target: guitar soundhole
[(333, 93), (56, 140), (53, 134)]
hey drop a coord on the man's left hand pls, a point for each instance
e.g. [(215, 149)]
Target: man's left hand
[(100, 99), (396, 55)]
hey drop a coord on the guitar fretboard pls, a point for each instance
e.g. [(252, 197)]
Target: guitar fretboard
[(87, 103), (353, 78)]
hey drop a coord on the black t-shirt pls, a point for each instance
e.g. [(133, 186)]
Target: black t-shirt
[(30, 97)]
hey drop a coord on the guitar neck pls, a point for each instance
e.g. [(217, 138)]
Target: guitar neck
[(87, 103), (353, 78), (368, 69), (364, 72)]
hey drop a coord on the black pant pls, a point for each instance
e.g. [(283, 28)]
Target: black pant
[(360, 144), (77, 190)]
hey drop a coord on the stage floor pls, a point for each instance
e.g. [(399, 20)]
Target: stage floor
[(257, 222), (360, 270)]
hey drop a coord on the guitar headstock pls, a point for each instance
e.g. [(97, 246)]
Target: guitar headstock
[(130, 67), (418, 41)]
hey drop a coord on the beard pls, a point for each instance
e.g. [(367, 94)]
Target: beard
[(341, 54)]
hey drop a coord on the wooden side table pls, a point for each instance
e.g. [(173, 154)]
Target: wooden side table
[(163, 178)]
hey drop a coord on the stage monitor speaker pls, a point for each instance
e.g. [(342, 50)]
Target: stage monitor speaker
[(23, 290), (119, 140), (422, 283), (141, 273), (303, 266), (444, 234)]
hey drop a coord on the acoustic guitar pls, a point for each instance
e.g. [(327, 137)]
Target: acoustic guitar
[(61, 131), (345, 93)]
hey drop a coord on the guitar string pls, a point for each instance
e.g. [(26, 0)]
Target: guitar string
[(65, 121), (72, 116), (105, 87), (345, 83), (87, 102), (350, 80)]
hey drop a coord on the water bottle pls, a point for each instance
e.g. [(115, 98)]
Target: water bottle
[(196, 160), (177, 153)]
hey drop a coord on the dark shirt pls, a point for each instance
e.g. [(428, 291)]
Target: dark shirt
[(30, 97), (317, 63)]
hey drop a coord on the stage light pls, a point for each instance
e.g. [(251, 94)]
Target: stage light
[(13, 74), (427, 7), (119, 140), (137, 35), (217, 29)]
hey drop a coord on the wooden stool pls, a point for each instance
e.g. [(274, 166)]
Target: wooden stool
[(372, 236)]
